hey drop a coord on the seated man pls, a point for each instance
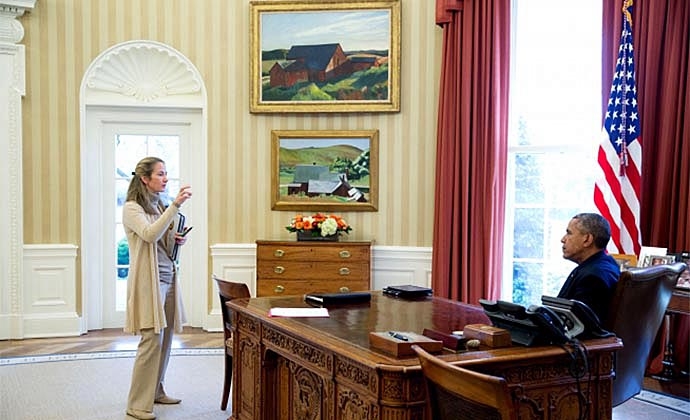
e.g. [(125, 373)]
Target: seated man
[(594, 279)]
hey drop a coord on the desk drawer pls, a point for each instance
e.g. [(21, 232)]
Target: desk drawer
[(312, 271), (271, 287), (313, 253)]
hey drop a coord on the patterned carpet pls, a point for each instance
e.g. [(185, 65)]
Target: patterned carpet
[(94, 386)]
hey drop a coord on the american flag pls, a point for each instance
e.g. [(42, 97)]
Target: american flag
[(617, 189)]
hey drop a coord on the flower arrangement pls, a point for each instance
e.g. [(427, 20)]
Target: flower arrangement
[(319, 225)]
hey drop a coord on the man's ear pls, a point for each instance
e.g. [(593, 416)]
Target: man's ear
[(589, 240)]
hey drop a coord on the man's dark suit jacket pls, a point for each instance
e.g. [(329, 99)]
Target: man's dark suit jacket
[(592, 282)]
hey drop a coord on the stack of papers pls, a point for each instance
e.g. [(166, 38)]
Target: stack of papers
[(298, 312)]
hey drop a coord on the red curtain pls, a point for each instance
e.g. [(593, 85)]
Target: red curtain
[(471, 149), (661, 32)]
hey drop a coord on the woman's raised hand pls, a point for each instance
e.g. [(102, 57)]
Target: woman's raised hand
[(184, 195)]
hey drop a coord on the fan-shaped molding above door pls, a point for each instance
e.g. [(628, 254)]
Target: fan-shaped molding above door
[(143, 73)]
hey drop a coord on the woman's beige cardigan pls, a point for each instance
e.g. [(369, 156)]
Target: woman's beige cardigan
[(144, 304)]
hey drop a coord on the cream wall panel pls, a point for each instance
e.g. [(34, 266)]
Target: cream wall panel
[(49, 301), (64, 36)]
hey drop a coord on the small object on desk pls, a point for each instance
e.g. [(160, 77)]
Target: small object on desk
[(397, 335), (407, 291), (399, 343), (488, 335), (337, 298), (298, 312), (450, 341), (473, 344)]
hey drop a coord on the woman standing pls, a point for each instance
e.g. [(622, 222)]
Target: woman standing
[(154, 305)]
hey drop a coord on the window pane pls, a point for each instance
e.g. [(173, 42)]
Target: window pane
[(529, 186), (529, 233), (527, 288), (555, 124)]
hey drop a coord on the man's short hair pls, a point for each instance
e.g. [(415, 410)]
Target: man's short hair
[(597, 226)]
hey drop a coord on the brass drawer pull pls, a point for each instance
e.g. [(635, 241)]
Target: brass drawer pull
[(278, 269), (279, 289), (344, 271), (345, 254), (344, 289), (278, 253)]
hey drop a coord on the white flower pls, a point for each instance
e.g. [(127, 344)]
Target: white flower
[(329, 227)]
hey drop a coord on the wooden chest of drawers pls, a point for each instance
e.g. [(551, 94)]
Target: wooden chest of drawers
[(295, 268)]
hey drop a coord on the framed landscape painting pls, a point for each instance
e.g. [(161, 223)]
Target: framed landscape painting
[(324, 170), (325, 56)]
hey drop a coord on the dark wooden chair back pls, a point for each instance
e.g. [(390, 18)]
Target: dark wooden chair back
[(228, 291), (636, 313), (457, 393)]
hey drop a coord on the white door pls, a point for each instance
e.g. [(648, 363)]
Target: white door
[(120, 139)]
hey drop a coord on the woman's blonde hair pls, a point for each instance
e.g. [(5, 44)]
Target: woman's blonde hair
[(137, 190)]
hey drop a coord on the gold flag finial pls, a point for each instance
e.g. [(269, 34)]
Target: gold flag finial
[(627, 5)]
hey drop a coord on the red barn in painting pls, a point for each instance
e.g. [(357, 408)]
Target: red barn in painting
[(314, 63)]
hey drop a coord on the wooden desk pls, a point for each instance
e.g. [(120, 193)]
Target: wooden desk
[(680, 301), (323, 368)]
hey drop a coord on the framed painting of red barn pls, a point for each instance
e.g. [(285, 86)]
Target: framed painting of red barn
[(324, 56), (329, 170)]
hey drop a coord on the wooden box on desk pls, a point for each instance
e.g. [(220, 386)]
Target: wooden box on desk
[(387, 343), (488, 335)]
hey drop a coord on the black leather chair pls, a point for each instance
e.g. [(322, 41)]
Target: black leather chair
[(636, 313), (228, 291), (461, 394)]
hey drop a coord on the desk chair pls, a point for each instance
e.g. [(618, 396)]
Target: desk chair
[(457, 393), (227, 292), (637, 310)]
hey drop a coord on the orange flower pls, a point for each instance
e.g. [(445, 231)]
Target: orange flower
[(314, 223)]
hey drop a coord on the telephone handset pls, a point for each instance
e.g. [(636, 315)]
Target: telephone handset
[(551, 325), (579, 318)]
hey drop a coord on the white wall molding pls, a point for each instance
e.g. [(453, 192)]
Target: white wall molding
[(49, 304), (400, 265), (11, 30), (143, 73), (12, 89)]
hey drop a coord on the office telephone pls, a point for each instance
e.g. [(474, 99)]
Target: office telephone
[(558, 321)]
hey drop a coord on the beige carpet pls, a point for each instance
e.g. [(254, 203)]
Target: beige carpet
[(95, 387)]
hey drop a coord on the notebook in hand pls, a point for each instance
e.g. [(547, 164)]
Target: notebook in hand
[(407, 291), (180, 229), (337, 298)]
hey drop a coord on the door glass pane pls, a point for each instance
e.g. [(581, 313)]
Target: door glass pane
[(129, 150)]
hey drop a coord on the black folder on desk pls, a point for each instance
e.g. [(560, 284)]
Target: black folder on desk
[(408, 291), (324, 299)]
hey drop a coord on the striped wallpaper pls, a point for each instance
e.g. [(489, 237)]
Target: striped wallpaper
[(62, 37)]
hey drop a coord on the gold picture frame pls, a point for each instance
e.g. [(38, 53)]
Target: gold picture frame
[(324, 170), (625, 261), (324, 56)]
